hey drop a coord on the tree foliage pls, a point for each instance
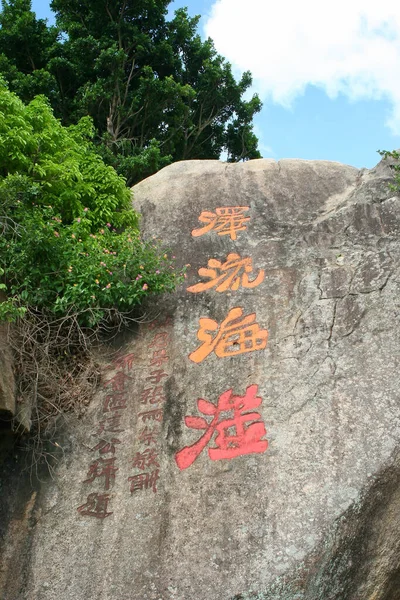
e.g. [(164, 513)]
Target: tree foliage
[(394, 159), (157, 93)]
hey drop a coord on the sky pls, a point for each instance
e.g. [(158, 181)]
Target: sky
[(328, 73)]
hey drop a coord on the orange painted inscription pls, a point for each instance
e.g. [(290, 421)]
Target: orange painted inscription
[(229, 275), (227, 220), (237, 434), (236, 335)]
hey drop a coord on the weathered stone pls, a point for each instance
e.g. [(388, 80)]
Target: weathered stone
[(324, 282), (7, 384)]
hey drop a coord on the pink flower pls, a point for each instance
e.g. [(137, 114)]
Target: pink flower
[(108, 224), (103, 264), (85, 209), (108, 286), (78, 220), (56, 234), (157, 272), (145, 286)]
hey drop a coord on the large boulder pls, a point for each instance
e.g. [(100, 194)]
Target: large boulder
[(244, 437)]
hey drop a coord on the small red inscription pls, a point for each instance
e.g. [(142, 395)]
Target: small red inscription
[(96, 506), (145, 459), (105, 447), (148, 436), (117, 382), (160, 340), (110, 425), (144, 481), (159, 358), (102, 467), (156, 376), (153, 395), (115, 401), (152, 415), (122, 362)]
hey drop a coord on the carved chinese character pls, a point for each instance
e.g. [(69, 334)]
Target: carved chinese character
[(105, 447), (122, 362), (110, 425), (117, 382), (166, 322), (235, 336), (226, 220), (159, 357), (153, 395), (156, 376), (237, 435), (144, 460), (102, 467), (228, 276), (96, 506), (144, 481), (116, 401), (160, 340), (148, 436), (152, 415)]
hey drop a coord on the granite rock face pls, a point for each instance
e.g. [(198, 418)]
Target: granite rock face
[(244, 441), (7, 384)]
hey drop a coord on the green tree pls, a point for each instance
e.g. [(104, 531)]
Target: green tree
[(27, 45), (157, 93)]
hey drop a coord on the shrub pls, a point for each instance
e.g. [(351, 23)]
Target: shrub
[(70, 239)]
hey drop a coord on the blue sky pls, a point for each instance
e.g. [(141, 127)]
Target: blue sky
[(328, 74)]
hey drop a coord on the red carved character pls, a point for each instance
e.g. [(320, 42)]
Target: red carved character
[(159, 357), (105, 447), (144, 481), (115, 401), (102, 467), (120, 362), (156, 376), (236, 435), (148, 436), (117, 382), (160, 340), (145, 459), (95, 506), (153, 395), (110, 425), (152, 415)]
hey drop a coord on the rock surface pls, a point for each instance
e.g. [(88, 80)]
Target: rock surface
[(7, 384), (302, 502)]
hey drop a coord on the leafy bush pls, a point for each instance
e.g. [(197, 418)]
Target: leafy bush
[(70, 241)]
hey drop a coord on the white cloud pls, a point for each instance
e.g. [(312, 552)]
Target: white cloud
[(350, 47)]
